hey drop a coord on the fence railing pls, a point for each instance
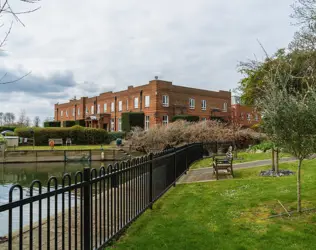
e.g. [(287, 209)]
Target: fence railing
[(94, 207)]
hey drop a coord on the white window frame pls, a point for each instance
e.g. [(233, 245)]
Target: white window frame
[(203, 104), (61, 113), (165, 101), (73, 112), (192, 103), (78, 111), (87, 110), (92, 109), (119, 122), (225, 107), (147, 122), (66, 112), (126, 104), (136, 103), (99, 109), (147, 101), (112, 125), (120, 105), (105, 107), (112, 106), (248, 117), (165, 121)]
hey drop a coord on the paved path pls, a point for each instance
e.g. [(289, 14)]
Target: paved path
[(206, 174)]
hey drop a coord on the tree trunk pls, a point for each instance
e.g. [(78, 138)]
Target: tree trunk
[(277, 161), (299, 207), (273, 161)]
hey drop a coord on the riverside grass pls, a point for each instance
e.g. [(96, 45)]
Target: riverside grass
[(230, 214)]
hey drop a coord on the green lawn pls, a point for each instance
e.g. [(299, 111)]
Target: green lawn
[(230, 214), (74, 147), (241, 157)]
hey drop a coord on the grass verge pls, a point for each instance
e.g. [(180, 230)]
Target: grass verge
[(230, 214)]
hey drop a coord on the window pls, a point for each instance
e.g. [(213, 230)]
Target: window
[(192, 103), (73, 111), (120, 106), (99, 109), (242, 115), (66, 112), (203, 119), (127, 104), (61, 113), (256, 117), (147, 101), (147, 117), (165, 101), (119, 124), (203, 104), (165, 120), (87, 110), (92, 109), (78, 111), (105, 107), (225, 107), (112, 125), (248, 117), (136, 102), (112, 107)]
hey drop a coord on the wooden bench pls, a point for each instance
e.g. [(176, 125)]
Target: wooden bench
[(222, 164), (56, 141)]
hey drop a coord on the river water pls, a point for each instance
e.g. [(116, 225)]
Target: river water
[(24, 174)]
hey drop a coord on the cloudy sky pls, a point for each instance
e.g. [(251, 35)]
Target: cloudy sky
[(77, 47)]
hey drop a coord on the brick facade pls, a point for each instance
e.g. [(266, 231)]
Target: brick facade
[(104, 111), (243, 115)]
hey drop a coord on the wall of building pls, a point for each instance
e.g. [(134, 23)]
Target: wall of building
[(178, 104), (245, 116)]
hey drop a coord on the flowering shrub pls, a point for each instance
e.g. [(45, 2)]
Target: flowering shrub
[(182, 132)]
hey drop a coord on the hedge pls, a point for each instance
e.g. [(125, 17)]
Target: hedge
[(51, 124), (81, 123), (112, 136), (79, 135), (189, 118), (132, 119), (68, 124), (3, 128)]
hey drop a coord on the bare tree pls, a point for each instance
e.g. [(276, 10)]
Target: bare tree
[(27, 121), (5, 8), (36, 121), (22, 118)]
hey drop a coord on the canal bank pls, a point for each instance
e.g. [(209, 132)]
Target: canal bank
[(31, 156)]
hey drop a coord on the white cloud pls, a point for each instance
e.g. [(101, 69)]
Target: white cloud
[(126, 42)]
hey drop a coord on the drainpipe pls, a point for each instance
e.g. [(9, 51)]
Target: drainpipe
[(141, 101), (75, 112), (57, 114)]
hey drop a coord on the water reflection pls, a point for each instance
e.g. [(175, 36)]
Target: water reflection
[(23, 174)]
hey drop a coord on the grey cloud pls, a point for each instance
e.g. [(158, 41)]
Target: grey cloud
[(53, 86), (3, 53)]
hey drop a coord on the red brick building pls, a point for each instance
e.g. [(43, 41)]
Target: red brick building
[(159, 100), (244, 115)]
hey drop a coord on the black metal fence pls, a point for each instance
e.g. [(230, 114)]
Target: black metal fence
[(94, 207)]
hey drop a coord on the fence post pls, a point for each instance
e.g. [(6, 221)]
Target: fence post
[(86, 204), (151, 163), (186, 159), (175, 167)]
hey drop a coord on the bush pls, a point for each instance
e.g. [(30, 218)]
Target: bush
[(131, 120), (2, 140), (80, 123), (264, 146), (3, 128), (112, 136), (188, 118), (79, 135), (68, 124), (51, 124)]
